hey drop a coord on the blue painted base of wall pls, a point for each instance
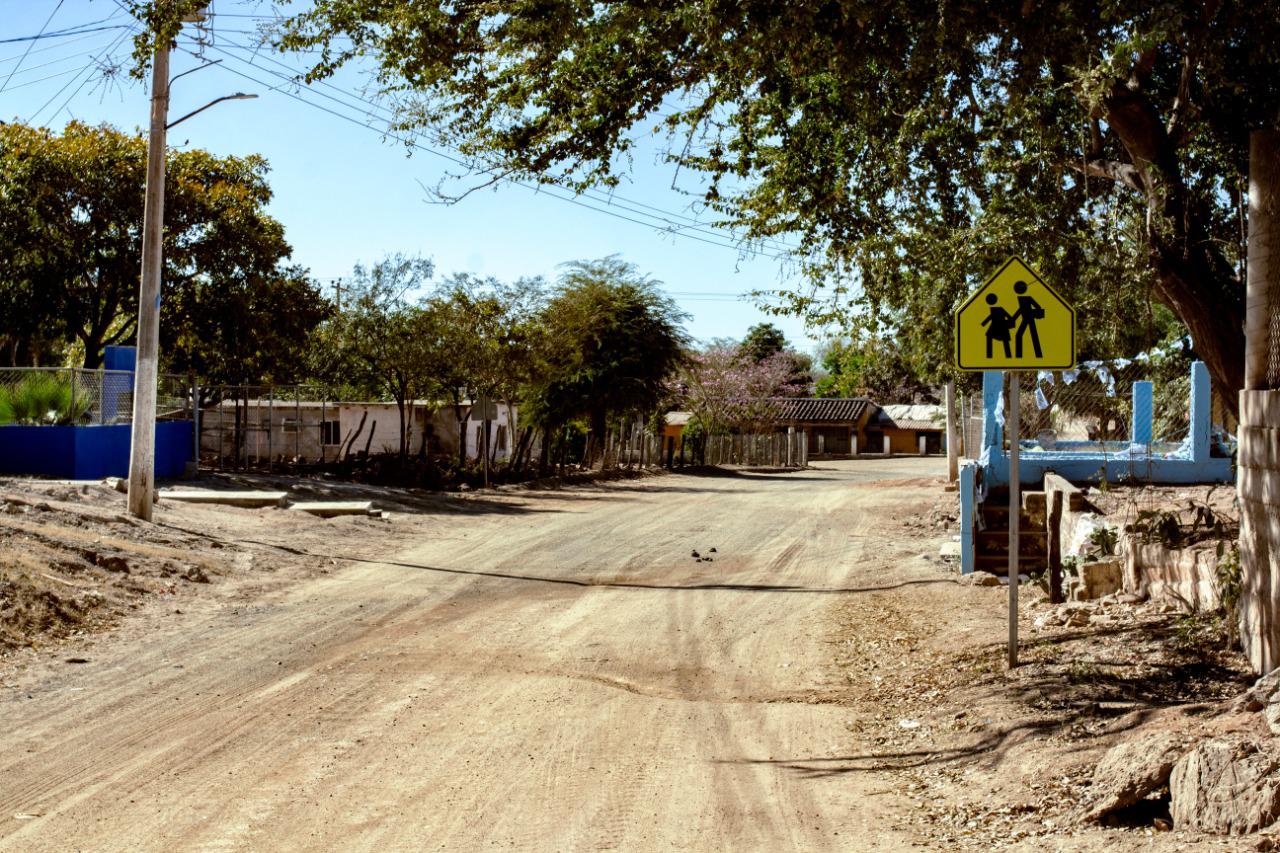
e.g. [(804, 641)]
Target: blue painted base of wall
[(1090, 467), (90, 452)]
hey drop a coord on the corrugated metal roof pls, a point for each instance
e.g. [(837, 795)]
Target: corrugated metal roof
[(912, 416), (821, 409)]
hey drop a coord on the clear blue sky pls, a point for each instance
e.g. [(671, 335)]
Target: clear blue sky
[(344, 192)]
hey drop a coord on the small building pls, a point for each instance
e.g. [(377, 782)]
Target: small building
[(835, 425), (673, 426), (908, 428), (316, 431)]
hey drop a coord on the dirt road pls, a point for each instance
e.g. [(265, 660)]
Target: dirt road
[(558, 673)]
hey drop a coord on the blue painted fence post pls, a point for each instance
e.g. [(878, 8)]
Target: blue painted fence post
[(992, 391), (968, 512), (1140, 431), (1200, 402)]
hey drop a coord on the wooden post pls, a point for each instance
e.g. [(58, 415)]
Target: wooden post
[(142, 448), (271, 428), (1015, 516), (953, 451), (297, 423), (1053, 542), (195, 421)]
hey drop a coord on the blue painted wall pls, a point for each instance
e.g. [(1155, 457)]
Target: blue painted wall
[(90, 452)]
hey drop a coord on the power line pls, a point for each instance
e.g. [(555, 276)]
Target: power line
[(45, 49), (608, 197), (543, 189), (23, 58), (36, 38), (666, 217), (94, 61)]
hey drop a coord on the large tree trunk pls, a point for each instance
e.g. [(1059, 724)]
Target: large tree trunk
[(1193, 277), (595, 442), (1259, 481)]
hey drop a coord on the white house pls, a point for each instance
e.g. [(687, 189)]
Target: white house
[(321, 430)]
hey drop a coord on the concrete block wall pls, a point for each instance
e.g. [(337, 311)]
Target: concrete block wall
[(1259, 491)]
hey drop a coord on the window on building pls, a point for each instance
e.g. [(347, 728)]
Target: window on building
[(289, 424), (502, 438), (330, 433), (479, 437)]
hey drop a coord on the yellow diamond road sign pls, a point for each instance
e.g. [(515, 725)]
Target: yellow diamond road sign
[(1015, 321)]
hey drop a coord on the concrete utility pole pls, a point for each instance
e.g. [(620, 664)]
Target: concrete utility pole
[(143, 447)]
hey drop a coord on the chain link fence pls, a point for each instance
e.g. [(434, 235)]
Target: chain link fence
[(266, 426), (1091, 409), (65, 396), (74, 396)]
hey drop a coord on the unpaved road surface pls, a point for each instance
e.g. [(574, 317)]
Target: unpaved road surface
[(555, 674)]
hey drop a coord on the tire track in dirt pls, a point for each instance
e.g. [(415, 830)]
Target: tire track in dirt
[(469, 710)]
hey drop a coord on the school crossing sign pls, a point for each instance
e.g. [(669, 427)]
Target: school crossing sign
[(1015, 321)]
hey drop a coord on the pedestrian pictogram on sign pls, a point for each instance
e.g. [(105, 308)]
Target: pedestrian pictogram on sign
[(1015, 321)]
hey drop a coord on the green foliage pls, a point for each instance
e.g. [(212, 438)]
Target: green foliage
[(1103, 540), (70, 254), (42, 399), (763, 340), (907, 149), (611, 339), (380, 345), (878, 367)]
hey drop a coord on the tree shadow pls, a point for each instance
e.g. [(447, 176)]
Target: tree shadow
[(1056, 693)]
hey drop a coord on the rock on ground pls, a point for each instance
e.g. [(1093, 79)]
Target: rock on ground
[(1130, 771), (1226, 787)]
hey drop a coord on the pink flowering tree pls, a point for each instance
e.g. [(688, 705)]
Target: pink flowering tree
[(727, 390)]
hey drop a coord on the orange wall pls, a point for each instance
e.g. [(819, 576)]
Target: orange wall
[(903, 440)]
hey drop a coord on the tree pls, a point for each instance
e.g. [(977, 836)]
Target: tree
[(876, 367), (490, 342), (611, 339), (71, 220), (763, 340), (381, 344), (726, 388), (908, 148)]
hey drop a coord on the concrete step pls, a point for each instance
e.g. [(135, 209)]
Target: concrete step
[(330, 509), (998, 564), (241, 499)]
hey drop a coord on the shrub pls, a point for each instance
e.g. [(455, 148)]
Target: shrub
[(41, 399)]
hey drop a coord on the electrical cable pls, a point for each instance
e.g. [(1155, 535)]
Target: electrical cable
[(543, 189), (610, 199), (47, 21)]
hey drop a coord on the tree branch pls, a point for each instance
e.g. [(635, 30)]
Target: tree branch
[(1112, 170)]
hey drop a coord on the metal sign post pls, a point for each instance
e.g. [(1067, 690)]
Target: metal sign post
[(1015, 513), (1015, 321)]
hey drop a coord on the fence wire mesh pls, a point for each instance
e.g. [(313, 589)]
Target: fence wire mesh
[(65, 396), (1092, 408), (73, 396), (264, 426)]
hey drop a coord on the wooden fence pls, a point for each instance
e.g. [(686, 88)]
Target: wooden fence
[(638, 448)]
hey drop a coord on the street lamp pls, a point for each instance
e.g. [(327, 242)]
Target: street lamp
[(238, 96), (142, 449)]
